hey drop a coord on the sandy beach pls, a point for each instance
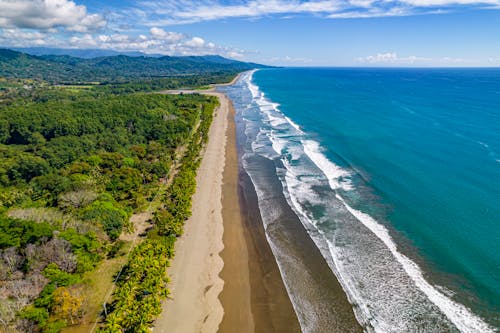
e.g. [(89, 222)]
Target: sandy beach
[(224, 277), (193, 305)]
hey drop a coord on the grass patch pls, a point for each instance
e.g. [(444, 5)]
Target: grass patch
[(97, 285)]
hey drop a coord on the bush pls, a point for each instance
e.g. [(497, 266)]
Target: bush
[(55, 326), (59, 277), (110, 216), (38, 315), (19, 233), (50, 186), (86, 247)]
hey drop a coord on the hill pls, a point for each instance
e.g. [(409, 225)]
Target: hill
[(117, 68), (80, 53)]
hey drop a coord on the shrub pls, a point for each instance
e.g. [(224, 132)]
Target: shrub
[(110, 216)]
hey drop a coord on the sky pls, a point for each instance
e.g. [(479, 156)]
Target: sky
[(420, 33)]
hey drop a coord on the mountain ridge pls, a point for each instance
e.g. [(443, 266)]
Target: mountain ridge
[(60, 68)]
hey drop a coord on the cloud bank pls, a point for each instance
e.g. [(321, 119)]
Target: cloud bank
[(63, 23), (48, 14), (393, 59), (157, 41)]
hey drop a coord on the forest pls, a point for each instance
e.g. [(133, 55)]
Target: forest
[(78, 163), (64, 69)]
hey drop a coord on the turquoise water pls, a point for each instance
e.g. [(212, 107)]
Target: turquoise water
[(422, 152)]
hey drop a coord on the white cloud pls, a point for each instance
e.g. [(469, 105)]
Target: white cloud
[(165, 35), (22, 34), (88, 23), (166, 12), (235, 54), (368, 12), (392, 59), (195, 42), (22, 37), (188, 12), (430, 3), (47, 14), (380, 57), (258, 8), (158, 41), (84, 41)]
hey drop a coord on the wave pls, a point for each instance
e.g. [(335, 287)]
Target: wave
[(337, 176), (457, 313), (291, 145)]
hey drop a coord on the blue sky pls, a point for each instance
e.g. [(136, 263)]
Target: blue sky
[(278, 32)]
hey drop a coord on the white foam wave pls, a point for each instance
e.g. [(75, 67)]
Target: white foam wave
[(294, 125), (253, 88), (295, 190), (276, 121), (337, 176), (277, 144), (457, 313)]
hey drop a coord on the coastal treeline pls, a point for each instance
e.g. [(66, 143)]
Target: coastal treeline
[(75, 164), (143, 284)]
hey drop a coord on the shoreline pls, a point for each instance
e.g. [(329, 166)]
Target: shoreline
[(319, 302), (254, 297), (233, 81), (224, 276)]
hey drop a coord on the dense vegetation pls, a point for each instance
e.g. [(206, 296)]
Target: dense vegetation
[(112, 69), (75, 164), (142, 286)]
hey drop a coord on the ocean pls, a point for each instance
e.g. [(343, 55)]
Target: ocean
[(395, 176)]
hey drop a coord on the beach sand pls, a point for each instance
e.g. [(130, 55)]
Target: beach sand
[(254, 297), (195, 284), (249, 295)]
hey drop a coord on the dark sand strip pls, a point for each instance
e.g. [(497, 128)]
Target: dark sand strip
[(235, 295), (254, 297)]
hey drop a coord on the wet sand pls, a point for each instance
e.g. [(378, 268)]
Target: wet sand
[(254, 297)]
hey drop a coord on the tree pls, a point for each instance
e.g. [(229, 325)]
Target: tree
[(110, 215), (67, 306), (77, 199), (12, 258), (28, 167)]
